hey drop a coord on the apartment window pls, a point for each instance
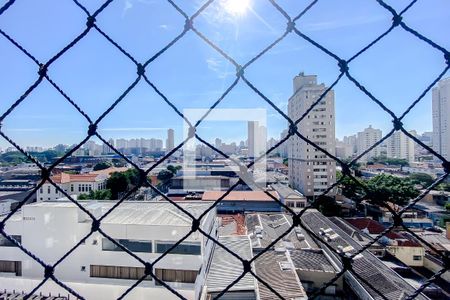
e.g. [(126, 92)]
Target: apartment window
[(71, 188), (417, 257), (41, 190), (48, 190), (183, 248), (300, 204), (169, 275), (4, 242), (10, 266), (118, 272), (132, 245)]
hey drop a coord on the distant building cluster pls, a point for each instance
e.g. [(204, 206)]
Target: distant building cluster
[(397, 146)]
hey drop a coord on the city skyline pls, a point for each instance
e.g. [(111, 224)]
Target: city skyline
[(45, 118)]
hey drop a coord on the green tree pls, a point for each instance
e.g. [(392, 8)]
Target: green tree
[(443, 187), (164, 176), (423, 179), (102, 166), (391, 188), (349, 188), (97, 195), (133, 176), (327, 206), (447, 206), (173, 169), (389, 161), (118, 183)]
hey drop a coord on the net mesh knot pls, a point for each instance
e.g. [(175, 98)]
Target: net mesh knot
[(396, 20), (398, 125), (95, 225), (92, 130), (48, 271)]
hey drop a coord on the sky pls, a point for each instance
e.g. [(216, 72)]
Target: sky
[(191, 74)]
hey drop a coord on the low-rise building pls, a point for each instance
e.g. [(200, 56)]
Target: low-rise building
[(244, 201), (16, 185), (148, 229), (184, 184), (72, 184), (290, 197)]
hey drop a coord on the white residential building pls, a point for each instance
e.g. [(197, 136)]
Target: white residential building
[(121, 144), (343, 150), (441, 118), (366, 139), (170, 142), (72, 184), (310, 170), (398, 145), (283, 148), (107, 149), (257, 139), (148, 229)]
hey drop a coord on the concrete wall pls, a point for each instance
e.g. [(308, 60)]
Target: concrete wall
[(406, 254), (50, 232)]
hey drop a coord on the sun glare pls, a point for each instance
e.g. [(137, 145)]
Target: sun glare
[(236, 7)]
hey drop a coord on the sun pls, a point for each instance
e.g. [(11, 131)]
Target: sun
[(236, 7)]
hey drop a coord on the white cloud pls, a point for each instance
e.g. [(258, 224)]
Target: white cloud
[(127, 6), (220, 66)]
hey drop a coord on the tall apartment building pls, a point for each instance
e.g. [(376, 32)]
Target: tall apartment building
[(351, 141), (441, 118), (170, 142), (283, 148), (310, 170), (398, 145), (343, 150), (366, 139), (107, 149), (257, 139)]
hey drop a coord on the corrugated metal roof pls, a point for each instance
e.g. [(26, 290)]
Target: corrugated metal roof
[(225, 268), (284, 281)]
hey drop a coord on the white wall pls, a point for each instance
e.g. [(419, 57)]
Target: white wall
[(49, 230)]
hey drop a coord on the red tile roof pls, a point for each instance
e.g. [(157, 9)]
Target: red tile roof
[(66, 178), (373, 227), (109, 171), (407, 243)]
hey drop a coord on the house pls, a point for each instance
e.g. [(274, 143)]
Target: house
[(72, 184), (290, 197)]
